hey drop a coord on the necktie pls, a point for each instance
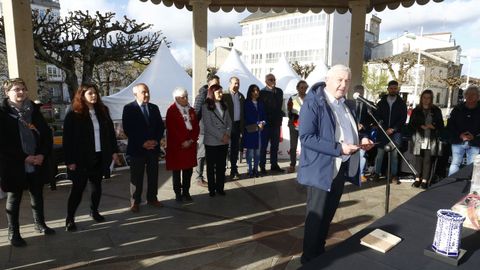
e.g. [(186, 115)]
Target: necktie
[(145, 112)]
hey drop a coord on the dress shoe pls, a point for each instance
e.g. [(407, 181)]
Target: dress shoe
[(417, 183), (211, 194), (178, 198), (277, 169), (424, 185), (187, 197), (374, 177), (263, 171), (134, 208), (221, 192), (155, 204), (43, 228), (291, 169), (251, 175), (70, 226), (97, 217)]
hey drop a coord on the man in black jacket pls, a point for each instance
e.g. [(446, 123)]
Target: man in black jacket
[(272, 98), (199, 101), (144, 128), (392, 114), (464, 129)]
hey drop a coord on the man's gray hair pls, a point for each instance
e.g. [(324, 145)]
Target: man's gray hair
[(472, 88), (337, 68), (135, 87), (179, 92)]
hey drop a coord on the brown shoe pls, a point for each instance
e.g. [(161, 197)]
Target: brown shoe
[(155, 204), (134, 208), (396, 180), (291, 169)]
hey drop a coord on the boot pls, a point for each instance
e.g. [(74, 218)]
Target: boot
[(96, 216), (15, 238), (41, 227)]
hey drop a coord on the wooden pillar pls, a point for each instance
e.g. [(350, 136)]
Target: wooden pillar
[(19, 43), (199, 49)]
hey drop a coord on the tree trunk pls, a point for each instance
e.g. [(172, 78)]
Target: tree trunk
[(87, 76), (72, 82)]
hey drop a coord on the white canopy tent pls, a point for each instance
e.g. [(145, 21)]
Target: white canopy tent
[(162, 75), (285, 76), (234, 66), (318, 74)]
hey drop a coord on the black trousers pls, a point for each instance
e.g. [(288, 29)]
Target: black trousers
[(423, 164), (182, 183), (138, 165), (234, 145), (79, 182), (321, 208), (216, 157), (272, 135), (12, 206), (293, 146)]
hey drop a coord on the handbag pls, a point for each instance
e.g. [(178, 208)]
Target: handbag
[(251, 128)]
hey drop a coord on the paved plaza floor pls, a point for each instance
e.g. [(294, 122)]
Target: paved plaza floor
[(257, 225)]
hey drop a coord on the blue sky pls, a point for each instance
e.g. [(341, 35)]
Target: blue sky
[(460, 17)]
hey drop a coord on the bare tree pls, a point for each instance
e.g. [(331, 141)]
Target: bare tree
[(109, 75), (89, 40), (303, 70), (374, 82)]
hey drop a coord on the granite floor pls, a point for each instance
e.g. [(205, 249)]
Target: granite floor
[(257, 225)]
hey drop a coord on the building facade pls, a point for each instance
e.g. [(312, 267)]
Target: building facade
[(306, 38)]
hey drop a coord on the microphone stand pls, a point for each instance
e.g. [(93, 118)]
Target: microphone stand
[(389, 148)]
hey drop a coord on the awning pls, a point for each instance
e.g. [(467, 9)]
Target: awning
[(303, 6)]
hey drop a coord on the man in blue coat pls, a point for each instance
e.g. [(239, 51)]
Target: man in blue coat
[(144, 128), (330, 154)]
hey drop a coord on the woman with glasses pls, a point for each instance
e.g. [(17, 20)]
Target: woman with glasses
[(25, 142), (90, 145), (182, 137)]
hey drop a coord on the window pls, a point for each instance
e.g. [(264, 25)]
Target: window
[(53, 73)]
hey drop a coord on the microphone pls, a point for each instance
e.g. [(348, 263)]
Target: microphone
[(365, 101)]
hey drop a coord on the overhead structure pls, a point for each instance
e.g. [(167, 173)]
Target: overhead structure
[(358, 8), (318, 74), (162, 75), (20, 9), (234, 66)]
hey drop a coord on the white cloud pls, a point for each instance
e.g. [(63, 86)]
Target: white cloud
[(90, 5)]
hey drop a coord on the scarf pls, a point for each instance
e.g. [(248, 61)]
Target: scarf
[(185, 115), (26, 129)]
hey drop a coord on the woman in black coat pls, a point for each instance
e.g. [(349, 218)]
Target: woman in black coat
[(426, 124), (90, 146), (25, 143)]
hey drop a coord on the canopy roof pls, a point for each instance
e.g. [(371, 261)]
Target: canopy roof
[(234, 66), (162, 75), (329, 6), (284, 74)]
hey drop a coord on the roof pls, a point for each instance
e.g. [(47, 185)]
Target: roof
[(260, 15), (316, 6)]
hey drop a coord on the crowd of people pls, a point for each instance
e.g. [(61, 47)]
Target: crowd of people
[(336, 136)]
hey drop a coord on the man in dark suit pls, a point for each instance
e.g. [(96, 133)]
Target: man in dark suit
[(144, 128), (272, 98), (234, 100)]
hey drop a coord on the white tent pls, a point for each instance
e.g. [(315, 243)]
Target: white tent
[(162, 75), (234, 66), (284, 74), (318, 74)]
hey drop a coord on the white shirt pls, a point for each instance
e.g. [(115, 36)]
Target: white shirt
[(185, 115), (345, 133), (219, 108), (96, 130), (236, 106)]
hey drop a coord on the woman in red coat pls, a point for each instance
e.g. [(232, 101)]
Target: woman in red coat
[(182, 136)]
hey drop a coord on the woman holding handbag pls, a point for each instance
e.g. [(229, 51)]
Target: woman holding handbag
[(254, 123)]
